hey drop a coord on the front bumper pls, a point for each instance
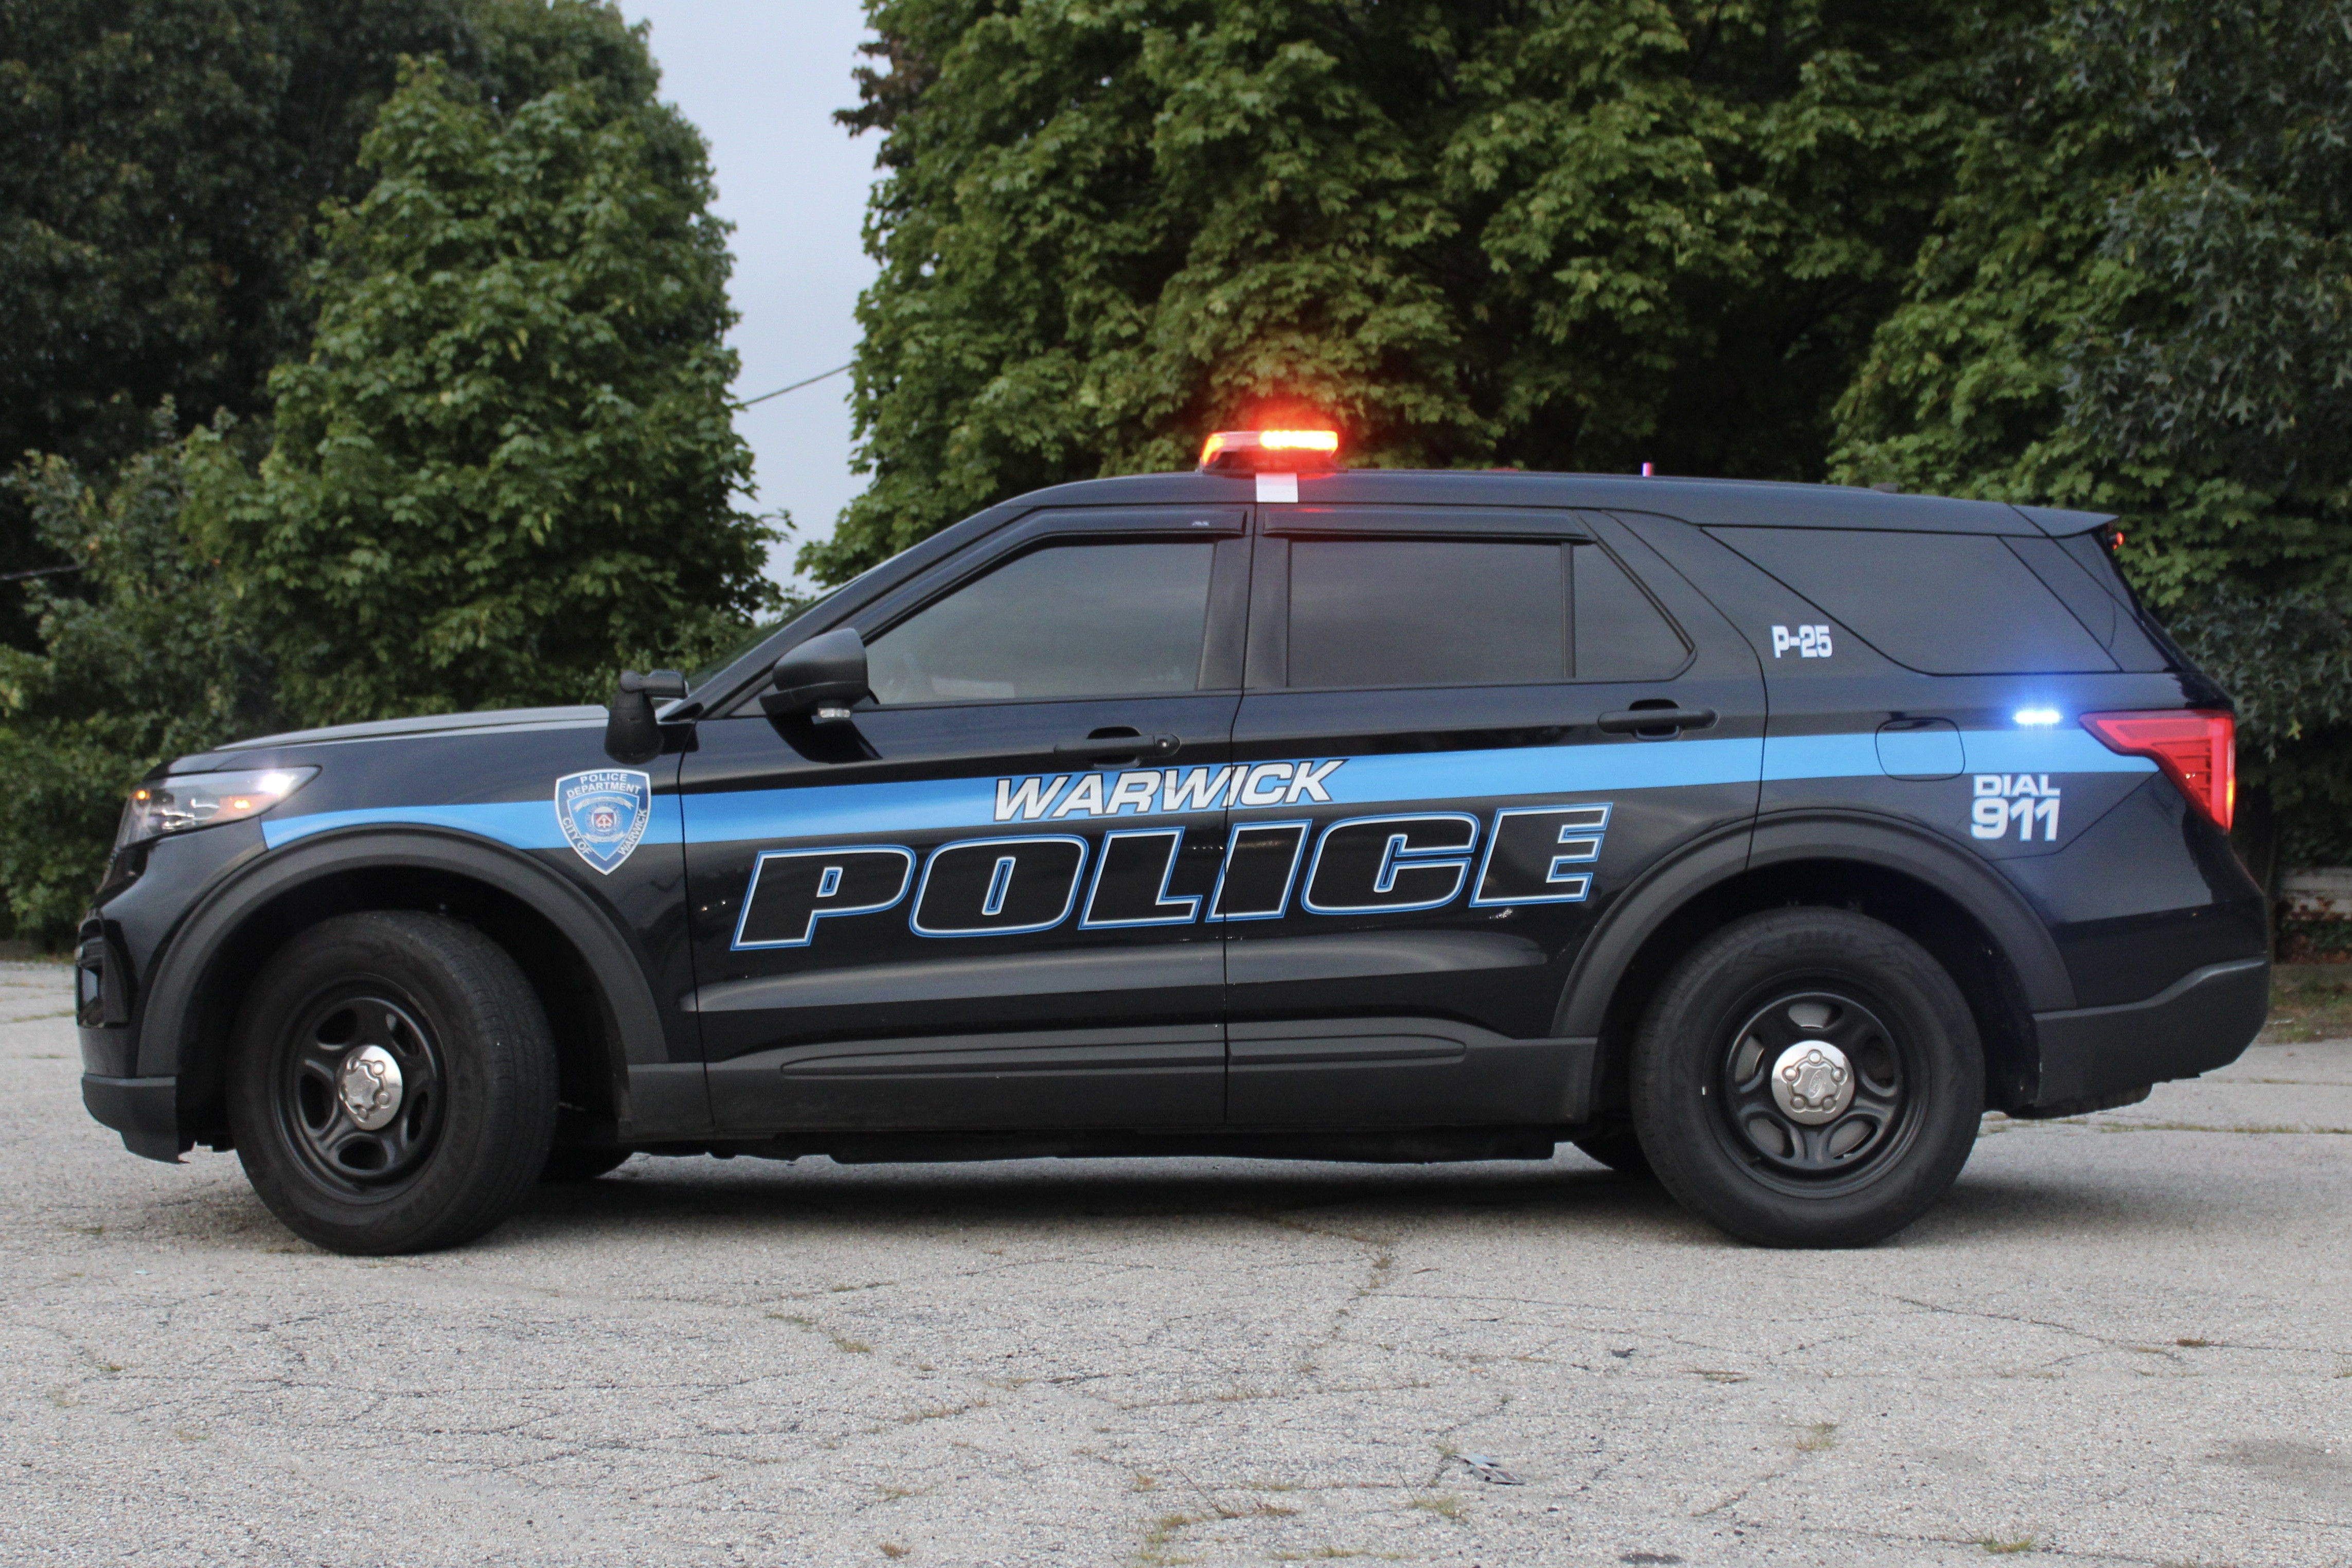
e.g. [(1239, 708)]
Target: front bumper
[(145, 1110), (2204, 1020)]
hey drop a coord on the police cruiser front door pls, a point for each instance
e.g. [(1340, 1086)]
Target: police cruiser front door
[(979, 904)]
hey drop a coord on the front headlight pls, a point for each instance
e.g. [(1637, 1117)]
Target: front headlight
[(187, 801)]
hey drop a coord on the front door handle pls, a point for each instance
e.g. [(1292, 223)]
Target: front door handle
[(1642, 720), (1095, 747)]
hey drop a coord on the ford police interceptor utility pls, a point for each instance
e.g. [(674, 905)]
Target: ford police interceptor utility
[(1760, 835)]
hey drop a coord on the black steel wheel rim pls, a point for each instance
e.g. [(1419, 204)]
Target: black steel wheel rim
[(316, 1119), (1804, 1034)]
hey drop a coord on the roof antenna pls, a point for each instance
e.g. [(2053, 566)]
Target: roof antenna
[(1646, 471)]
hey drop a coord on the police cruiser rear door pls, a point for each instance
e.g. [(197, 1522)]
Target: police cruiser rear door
[(1466, 731)]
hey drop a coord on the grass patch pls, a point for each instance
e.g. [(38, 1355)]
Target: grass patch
[(2003, 1546), (1818, 1437), (2308, 1001), (1445, 1505)]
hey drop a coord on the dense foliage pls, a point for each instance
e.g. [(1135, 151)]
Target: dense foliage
[(149, 662), (1567, 233), (2139, 301), (166, 159), (486, 392), (509, 458)]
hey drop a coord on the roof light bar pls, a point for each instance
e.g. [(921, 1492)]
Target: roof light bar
[(1269, 451)]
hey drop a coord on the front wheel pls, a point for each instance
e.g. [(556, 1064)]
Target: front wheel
[(391, 1084), (1808, 1078)]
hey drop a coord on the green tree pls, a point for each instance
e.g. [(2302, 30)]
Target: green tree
[(1557, 232), (509, 461), (2139, 301), (166, 163), (150, 663)]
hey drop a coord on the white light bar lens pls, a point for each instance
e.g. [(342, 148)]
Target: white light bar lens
[(187, 801), (2037, 717)]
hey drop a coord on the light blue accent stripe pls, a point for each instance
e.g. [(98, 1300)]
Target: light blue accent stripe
[(520, 824), (822, 810), (2024, 751), (2050, 750), (942, 805)]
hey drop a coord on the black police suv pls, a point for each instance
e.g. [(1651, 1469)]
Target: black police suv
[(1763, 835)]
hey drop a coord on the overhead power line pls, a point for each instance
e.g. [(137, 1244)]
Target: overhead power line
[(795, 387)]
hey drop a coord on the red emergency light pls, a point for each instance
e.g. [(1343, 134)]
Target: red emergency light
[(1269, 451)]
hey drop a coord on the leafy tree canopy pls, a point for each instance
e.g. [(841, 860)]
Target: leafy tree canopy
[(151, 662), (1566, 234), (509, 457), (166, 159), (2139, 301)]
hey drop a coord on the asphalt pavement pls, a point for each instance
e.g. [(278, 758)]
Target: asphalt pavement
[(2125, 1339)]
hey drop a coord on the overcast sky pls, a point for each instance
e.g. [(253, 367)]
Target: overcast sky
[(762, 79)]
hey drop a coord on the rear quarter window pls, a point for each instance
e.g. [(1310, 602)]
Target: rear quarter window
[(1946, 603)]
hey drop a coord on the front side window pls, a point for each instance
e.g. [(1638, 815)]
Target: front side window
[(1069, 620)]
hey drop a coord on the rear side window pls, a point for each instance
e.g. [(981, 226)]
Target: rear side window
[(1947, 604), (1621, 634), (1469, 612), (1427, 612), (1074, 620)]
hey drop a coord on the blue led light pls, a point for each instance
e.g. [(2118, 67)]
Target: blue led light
[(2037, 715)]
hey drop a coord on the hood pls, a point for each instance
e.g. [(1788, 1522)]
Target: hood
[(427, 724)]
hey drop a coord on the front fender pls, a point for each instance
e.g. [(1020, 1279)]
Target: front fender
[(653, 1048)]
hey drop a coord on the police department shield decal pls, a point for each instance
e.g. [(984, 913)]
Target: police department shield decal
[(603, 813)]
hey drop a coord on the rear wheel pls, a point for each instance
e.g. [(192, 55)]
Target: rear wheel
[(391, 1084), (1808, 1078)]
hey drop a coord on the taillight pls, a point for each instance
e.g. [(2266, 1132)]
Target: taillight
[(2196, 747)]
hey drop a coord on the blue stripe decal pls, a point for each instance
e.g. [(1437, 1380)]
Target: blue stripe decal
[(821, 811), (825, 810), (520, 824), (2050, 750)]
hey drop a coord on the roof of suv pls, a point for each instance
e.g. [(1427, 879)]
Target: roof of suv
[(1755, 502)]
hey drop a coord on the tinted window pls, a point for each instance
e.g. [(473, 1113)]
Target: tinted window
[(1074, 620), (1620, 634), (2091, 603), (1415, 612), (2131, 645), (1949, 604)]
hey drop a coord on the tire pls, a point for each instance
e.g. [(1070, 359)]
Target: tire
[(582, 1165), (1616, 1146), (462, 1076), (1817, 1161)]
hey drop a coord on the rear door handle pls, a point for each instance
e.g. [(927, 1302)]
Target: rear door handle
[(1096, 747), (1636, 721)]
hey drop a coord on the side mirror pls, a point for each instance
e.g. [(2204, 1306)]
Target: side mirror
[(631, 734), (820, 678)]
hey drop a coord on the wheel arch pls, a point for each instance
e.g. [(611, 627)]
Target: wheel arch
[(589, 973), (1972, 921)]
